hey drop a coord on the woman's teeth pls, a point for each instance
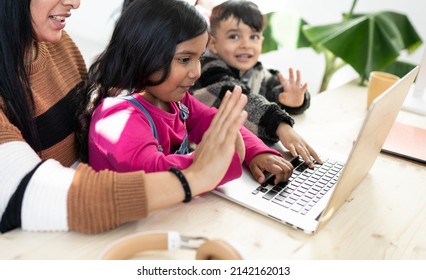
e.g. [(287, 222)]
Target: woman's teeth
[(58, 18)]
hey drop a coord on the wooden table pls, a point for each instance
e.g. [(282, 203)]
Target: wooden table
[(384, 218)]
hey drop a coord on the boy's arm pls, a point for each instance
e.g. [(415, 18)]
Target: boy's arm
[(264, 116)]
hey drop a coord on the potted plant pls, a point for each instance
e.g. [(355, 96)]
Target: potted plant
[(366, 42)]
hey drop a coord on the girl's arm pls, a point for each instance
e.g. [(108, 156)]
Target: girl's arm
[(214, 152)]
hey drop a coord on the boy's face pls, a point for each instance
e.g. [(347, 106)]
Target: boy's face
[(236, 44)]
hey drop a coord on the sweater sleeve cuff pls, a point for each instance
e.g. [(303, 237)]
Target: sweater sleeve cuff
[(130, 196), (299, 110), (271, 120), (101, 201)]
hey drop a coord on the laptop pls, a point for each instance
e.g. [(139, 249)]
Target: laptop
[(311, 197)]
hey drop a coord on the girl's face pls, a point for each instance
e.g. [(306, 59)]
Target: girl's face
[(185, 70), (48, 18), (237, 44)]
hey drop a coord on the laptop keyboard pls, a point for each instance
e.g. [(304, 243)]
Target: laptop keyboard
[(304, 188)]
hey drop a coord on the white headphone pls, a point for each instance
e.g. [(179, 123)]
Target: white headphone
[(128, 246)]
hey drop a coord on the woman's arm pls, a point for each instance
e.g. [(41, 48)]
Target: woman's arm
[(41, 195)]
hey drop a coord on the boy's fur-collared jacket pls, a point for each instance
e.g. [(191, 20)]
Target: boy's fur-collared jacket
[(262, 88)]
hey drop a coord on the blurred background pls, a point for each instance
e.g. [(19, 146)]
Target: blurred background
[(91, 25)]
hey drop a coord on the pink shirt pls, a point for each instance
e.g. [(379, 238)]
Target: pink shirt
[(120, 137)]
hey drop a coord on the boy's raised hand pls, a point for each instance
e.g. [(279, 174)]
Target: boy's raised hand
[(294, 92)]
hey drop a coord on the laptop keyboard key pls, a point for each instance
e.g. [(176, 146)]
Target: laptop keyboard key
[(269, 195)]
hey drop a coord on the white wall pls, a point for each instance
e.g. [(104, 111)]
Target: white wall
[(329, 11), (92, 23)]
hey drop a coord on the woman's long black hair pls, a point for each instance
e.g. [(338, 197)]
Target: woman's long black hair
[(16, 41), (143, 42)]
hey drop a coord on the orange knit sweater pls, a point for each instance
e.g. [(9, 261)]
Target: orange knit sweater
[(50, 195)]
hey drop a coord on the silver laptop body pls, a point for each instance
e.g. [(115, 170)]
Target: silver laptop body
[(309, 209)]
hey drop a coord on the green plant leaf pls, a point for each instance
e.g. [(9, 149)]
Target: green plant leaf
[(399, 68), (366, 42), (284, 29)]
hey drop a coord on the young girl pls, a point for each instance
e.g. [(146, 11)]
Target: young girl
[(142, 115)]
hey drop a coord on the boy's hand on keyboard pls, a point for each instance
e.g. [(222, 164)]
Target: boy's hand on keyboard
[(276, 165), (296, 145)]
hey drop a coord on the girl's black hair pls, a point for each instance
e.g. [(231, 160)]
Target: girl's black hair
[(245, 11), (16, 43), (143, 42)]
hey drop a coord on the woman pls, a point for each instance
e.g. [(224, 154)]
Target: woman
[(40, 72)]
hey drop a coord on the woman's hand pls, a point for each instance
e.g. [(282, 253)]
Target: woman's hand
[(218, 145), (240, 147)]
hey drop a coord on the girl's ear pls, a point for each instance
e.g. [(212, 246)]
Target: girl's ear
[(211, 45)]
